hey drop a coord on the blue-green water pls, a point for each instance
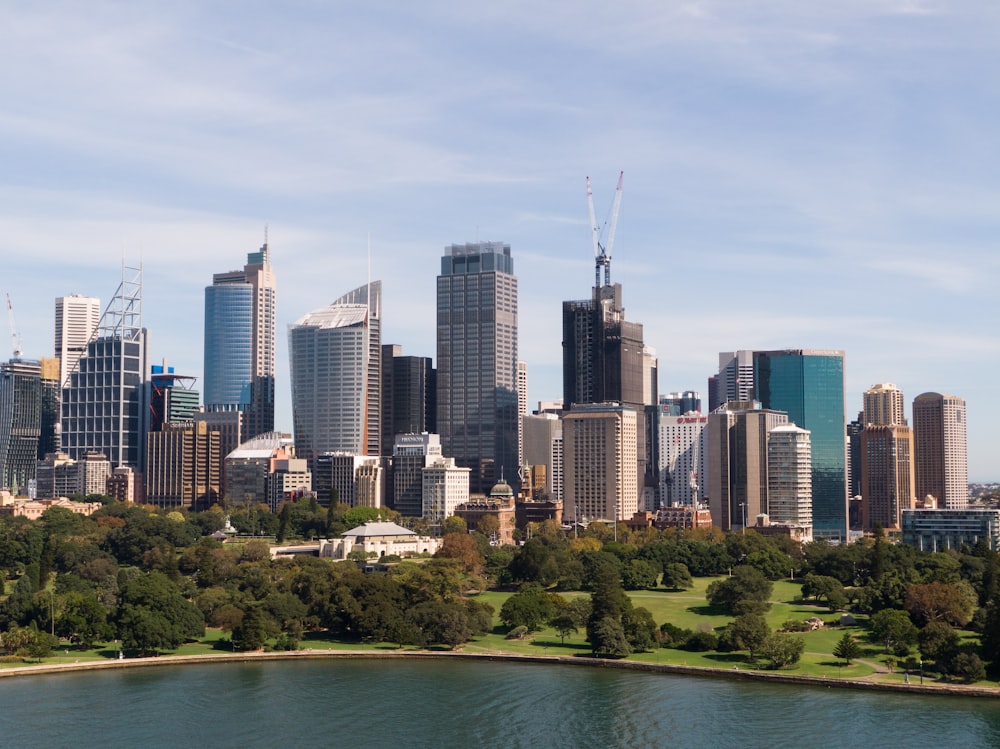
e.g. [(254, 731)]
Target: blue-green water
[(371, 703)]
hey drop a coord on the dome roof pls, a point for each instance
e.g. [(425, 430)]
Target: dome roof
[(501, 489)]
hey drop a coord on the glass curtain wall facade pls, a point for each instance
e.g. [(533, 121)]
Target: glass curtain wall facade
[(228, 346), (809, 386), (477, 361), (20, 422)]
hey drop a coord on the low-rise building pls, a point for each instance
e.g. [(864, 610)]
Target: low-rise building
[(378, 539), (937, 530), (35, 508)]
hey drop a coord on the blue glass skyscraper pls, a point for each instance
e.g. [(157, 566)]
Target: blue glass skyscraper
[(809, 386), (239, 343)]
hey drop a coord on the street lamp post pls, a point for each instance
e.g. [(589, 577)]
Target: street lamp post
[(921, 670)]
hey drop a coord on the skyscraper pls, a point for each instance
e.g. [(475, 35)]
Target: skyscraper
[(736, 441), (789, 475), (335, 397), (409, 395), (886, 458), (940, 449), (734, 381), (239, 342), (682, 457), (20, 422), (809, 386), (77, 318), (599, 444), (103, 400), (477, 361)]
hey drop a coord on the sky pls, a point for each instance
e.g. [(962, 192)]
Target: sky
[(796, 174)]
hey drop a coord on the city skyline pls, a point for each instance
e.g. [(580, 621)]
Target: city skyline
[(832, 159)]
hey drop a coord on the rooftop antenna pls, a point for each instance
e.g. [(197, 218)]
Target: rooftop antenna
[(15, 338), (602, 253)]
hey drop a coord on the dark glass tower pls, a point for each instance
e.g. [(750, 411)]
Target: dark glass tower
[(809, 387), (477, 361), (20, 421)]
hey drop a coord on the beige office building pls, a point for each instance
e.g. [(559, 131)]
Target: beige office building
[(600, 458), (939, 442)]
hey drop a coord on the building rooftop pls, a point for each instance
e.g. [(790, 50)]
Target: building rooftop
[(371, 529)]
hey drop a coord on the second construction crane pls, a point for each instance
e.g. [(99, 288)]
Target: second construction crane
[(602, 253)]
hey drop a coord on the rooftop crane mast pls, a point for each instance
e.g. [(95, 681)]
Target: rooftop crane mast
[(602, 253), (15, 338)]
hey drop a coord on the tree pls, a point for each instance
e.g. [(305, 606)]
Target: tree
[(823, 586), (608, 601), (781, 650), (253, 630), (893, 629), (847, 648), (442, 622), (639, 628), (746, 584), (530, 607), (83, 619), (462, 546), (676, 576), (746, 632), (968, 667), (938, 642), (638, 574), (607, 639), (941, 602), (565, 624)]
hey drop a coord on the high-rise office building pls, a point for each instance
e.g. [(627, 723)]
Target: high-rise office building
[(682, 457), (49, 439), (239, 342), (735, 381), (940, 456), (600, 442), (543, 446), (789, 476), (883, 405), (20, 422), (103, 400), (172, 397), (736, 442), (183, 466), (335, 396), (477, 361), (411, 454), (887, 484), (77, 317), (678, 404), (522, 408), (808, 385), (409, 395)]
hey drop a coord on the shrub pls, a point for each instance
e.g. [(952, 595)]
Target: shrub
[(518, 633)]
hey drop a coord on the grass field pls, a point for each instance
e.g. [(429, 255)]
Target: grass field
[(687, 609)]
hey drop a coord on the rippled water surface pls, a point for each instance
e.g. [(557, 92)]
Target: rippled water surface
[(371, 703)]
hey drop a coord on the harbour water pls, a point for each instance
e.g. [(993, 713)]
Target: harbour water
[(444, 703)]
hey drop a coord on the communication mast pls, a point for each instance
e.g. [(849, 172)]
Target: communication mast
[(602, 253), (15, 338)]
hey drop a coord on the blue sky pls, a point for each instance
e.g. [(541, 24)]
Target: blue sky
[(797, 174)]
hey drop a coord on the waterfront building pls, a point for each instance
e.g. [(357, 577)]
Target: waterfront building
[(736, 442), (103, 401), (77, 318), (477, 361), (240, 314), (941, 530), (939, 450), (808, 385), (335, 394), (600, 445), (789, 476), (20, 422)]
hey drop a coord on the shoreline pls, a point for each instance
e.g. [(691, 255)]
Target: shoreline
[(949, 690)]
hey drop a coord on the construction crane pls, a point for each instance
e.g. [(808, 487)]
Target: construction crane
[(602, 253), (15, 338)]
